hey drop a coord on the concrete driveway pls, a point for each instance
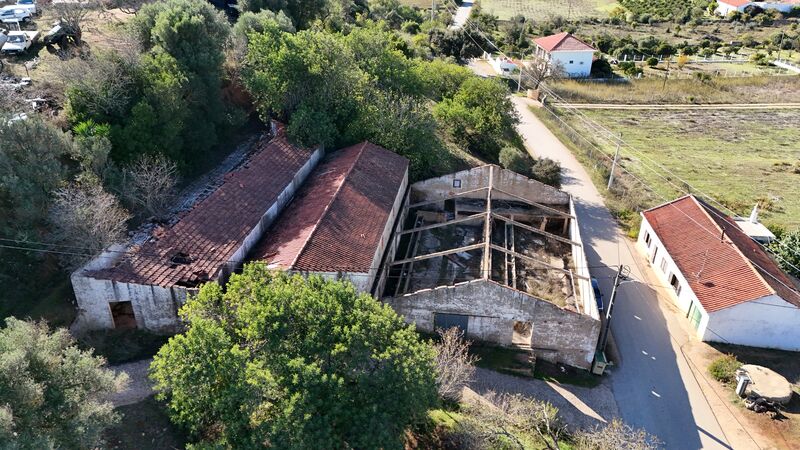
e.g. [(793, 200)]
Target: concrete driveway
[(654, 386)]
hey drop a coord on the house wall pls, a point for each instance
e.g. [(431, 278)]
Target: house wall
[(686, 300), (558, 335), (478, 177), (386, 239), (155, 307), (584, 284), (768, 322), (272, 213), (581, 65), (723, 9)]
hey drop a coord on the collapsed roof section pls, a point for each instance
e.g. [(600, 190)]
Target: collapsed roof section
[(493, 224)]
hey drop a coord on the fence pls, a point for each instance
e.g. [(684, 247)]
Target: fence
[(691, 59)]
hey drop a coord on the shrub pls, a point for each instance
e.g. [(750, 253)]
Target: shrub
[(547, 171), (652, 61), (513, 159), (723, 368)]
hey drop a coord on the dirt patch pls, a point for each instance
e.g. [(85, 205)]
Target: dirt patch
[(783, 431)]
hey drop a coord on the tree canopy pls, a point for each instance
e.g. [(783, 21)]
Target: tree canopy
[(52, 394), (296, 363)]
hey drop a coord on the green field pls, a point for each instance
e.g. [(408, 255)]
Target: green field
[(548, 9), (738, 157)]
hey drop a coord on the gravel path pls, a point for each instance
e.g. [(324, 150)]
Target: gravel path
[(580, 407), (139, 388)]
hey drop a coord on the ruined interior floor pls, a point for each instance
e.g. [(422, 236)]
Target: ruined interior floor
[(443, 243)]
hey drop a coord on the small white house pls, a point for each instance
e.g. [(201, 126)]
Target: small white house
[(566, 52), (725, 7), (730, 290)]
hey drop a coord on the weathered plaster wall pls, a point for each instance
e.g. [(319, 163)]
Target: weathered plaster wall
[(154, 307), (558, 335), (478, 177)]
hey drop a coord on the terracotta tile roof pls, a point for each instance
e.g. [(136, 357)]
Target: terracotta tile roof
[(195, 248), (336, 220), (713, 263), (736, 3), (562, 42)]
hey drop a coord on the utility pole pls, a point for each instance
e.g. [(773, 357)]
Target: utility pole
[(780, 46), (521, 68), (622, 274), (433, 9), (614, 163)]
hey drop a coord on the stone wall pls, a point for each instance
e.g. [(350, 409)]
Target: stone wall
[(558, 335), (154, 307), (478, 177)]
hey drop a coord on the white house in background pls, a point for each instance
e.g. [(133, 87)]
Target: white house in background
[(502, 66), (729, 288), (566, 51), (724, 7)]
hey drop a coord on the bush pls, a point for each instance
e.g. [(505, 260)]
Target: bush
[(513, 159), (547, 171), (652, 61), (723, 368)]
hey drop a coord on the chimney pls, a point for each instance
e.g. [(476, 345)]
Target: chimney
[(754, 214)]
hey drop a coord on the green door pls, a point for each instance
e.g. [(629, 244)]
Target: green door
[(694, 316)]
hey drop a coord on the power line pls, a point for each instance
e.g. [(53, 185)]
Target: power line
[(608, 132)]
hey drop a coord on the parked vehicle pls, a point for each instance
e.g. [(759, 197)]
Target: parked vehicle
[(20, 41), (3, 37), (598, 296), (14, 14), (56, 35), (29, 5)]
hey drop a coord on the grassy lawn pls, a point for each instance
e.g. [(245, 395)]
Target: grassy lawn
[(737, 157), (782, 89), (548, 9), (145, 425)]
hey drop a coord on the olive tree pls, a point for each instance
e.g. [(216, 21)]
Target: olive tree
[(52, 394)]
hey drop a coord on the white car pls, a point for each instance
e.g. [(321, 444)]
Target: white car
[(30, 5), (20, 41), (9, 14)]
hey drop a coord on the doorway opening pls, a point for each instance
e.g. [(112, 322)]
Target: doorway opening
[(122, 312)]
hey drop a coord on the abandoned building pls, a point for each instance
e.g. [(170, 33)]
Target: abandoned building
[(289, 206), (498, 255), (486, 249)]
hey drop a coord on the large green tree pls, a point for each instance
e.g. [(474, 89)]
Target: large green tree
[(311, 79), (52, 395), (479, 115), (32, 156), (290, 362)]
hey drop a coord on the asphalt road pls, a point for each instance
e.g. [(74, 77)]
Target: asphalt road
[(654, 387)]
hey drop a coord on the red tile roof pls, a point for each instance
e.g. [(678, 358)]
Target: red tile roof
[(336, 220), (716, 265), (736, 3), (562, 42), (195, 248)]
